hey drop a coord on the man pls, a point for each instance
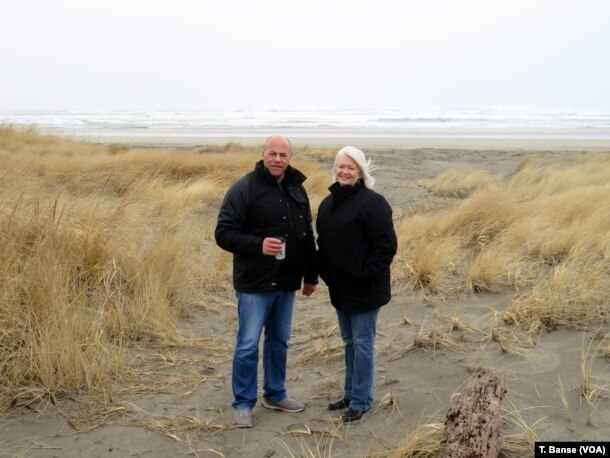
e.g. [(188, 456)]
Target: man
[(261, 212)]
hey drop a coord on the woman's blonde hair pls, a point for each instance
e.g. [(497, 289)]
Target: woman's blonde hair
[(361, 161)]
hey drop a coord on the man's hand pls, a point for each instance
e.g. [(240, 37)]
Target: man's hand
[(308, 289), (271, 246)]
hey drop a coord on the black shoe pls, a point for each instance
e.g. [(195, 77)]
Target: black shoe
[(338, 405), (353, 415)]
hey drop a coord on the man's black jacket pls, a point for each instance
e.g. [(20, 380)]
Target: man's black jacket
[(255, 207)]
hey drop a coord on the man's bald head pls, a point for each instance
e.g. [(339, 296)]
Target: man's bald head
[(277, 139)]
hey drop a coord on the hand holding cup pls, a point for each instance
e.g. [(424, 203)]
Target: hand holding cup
[(275, 246)]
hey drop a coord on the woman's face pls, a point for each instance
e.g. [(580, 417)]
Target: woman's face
[(347, 172)]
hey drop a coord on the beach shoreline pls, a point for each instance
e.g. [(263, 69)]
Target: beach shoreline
[(457, 139)]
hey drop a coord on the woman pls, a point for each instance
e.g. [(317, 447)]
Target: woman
[(356, 245)]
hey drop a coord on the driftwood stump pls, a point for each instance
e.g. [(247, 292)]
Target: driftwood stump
[(473, 420)]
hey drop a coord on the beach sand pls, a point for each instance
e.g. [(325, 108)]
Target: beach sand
[(412, 388), (460, 139)]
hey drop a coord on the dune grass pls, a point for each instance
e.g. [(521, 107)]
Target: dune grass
[(543, 233), (104, 246), (453, 183)]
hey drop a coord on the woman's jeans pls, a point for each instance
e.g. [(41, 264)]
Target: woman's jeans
[(358, 334), (272, 311)]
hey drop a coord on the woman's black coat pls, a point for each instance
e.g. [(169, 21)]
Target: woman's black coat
[(356, 245)]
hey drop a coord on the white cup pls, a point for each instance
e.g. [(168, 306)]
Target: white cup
[(282, 253)]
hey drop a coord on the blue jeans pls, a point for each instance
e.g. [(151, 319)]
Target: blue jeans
[(272, 311), (358, 333)]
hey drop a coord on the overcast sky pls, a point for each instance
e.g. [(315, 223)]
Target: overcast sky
[(254, 54)]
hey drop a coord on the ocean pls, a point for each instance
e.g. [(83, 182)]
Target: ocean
[(391, 123)]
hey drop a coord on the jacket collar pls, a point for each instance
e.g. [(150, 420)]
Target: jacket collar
[(340, 193)]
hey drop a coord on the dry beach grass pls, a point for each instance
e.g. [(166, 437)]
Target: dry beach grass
[(117, 312)]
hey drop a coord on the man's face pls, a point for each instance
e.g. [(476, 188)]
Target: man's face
[(276, 157)]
